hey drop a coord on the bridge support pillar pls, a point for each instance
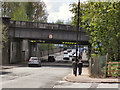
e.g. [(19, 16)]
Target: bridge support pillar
[(25, 50), (5, 53), (15, 50), (33, 49)]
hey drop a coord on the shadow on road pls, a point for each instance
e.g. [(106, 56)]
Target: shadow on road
[(63, 66), (4, 72), (58, 64)]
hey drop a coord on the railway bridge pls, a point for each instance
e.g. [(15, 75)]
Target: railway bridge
[(23, 37)]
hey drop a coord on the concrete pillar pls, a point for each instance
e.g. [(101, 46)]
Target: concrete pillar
[(5, 53), (33, 49), (38, 51), (15, 51), (25, 50)]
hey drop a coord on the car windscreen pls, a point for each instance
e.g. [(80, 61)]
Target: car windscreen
[(34, 58), (65, 53)]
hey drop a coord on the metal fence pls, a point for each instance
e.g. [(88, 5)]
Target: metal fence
[(97, 66)]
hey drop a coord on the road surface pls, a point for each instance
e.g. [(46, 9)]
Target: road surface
[(50, 75), (36, 77), (33, 77)]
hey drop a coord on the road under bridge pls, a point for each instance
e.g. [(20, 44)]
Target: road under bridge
[(21, 33)]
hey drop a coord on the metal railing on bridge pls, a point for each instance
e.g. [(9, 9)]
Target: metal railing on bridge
[(24, 24)]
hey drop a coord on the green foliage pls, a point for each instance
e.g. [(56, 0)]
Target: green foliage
[(4, 35), (29, 11), (101, 20), (94, 55), (25, 11), (59, 22), (8, 8), (115, 69), (62, 22), (20, 14), (43, 47)]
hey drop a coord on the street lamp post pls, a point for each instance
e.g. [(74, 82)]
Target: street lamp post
[(77, 31), (75, 68)]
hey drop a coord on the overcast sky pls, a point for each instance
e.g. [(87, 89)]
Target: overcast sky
[(59, 9)]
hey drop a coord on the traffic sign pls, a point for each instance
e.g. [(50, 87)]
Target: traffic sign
[(50, 36)]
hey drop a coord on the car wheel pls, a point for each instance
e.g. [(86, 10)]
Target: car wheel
[(29, 65), (38, 65)]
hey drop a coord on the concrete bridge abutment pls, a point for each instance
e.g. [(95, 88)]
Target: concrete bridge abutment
[(15, 50)]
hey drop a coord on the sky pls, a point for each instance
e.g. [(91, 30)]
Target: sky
[(59, 10)]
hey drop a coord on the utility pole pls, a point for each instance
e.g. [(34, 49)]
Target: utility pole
[(76, 62), (77, 31)]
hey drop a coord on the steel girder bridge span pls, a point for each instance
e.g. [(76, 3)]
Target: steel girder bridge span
[(22, 35)]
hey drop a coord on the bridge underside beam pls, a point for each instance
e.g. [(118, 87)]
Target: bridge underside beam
[(58, 36), (59, 42)]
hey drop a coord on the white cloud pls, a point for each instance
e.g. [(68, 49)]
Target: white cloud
[(59, 9), (63, 14)]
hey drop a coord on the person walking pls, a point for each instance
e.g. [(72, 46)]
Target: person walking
[(74, 64), (80, 65)]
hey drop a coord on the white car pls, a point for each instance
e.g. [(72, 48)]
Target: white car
[(66, 56), (69, 50), (70, 54), (34, 61), (75, 54), (65, 52)]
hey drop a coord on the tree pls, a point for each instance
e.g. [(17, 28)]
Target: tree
[(62, 22), (4, 35), (59, 22), (25, 11), (8, 8), (101, 20), (20, 14), (36, 11)]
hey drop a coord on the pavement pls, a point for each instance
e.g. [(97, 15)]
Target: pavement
[(9, 66), (85, 78)]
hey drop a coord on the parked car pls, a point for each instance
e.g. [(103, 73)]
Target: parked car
[(66, 57), (69, 50), (51, 59), (70, 54), (73, 51), (65, 52), (74, 56), (34, 61)]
